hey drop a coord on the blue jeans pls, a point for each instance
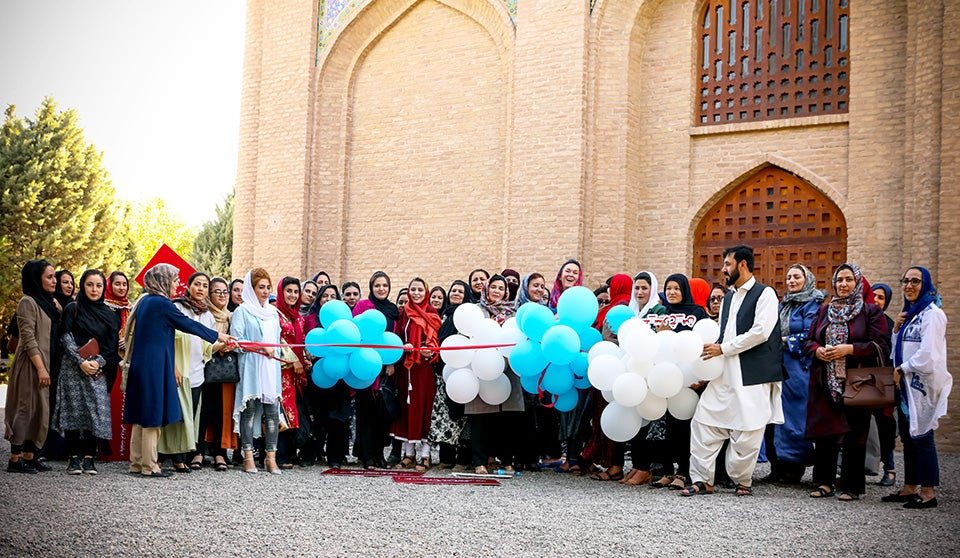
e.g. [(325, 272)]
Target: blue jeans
[(271, 424), (920, 464)]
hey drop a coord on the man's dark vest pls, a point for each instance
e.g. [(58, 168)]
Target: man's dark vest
[(763, 363)]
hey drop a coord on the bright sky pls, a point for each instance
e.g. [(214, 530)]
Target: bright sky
[(156, 84)]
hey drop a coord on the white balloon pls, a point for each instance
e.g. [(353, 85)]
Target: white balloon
[(496, 391), (607, 395), (683, 404), (687, 347), (689, 375), (510, 323), (665, 379), (709, 369), (619, 423), (463, 386), (639, 365), (510, 336), (460, 358), (641, 342), (467, 318), (629, 389), (652, 407), (447, 370), (707, 330), (487, 332), (630, 326), (604, 370), (487, 364), (665, 351), (604, 348)]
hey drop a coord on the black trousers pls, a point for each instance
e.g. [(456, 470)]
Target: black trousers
[(854, 446)]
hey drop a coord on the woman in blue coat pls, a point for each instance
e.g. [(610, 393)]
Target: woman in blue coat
[(151, 400), (791, 452)]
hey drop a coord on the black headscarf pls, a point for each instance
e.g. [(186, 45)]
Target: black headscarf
[(231, 306), (384, 305), (686, 305), (63, 298), (314, 309), (92, 319), (31, 280), (448, 329)]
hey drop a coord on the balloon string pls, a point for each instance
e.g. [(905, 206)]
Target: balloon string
[(258, 345), (540, 392)]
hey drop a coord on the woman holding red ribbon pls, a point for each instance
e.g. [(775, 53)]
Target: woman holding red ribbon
[(418, 327), (293, 373)]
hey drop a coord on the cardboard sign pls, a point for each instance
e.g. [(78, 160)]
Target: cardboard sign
[(167, 255)]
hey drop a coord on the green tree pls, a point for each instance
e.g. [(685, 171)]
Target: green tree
[(213, 247), (148, 225), (57, 199)]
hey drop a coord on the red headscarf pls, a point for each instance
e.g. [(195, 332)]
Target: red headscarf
[(700, 290), (424, 324), (621, 289), (867, 291), (292, 333)]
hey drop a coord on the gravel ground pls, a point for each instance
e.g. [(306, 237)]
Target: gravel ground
[(538, 514)]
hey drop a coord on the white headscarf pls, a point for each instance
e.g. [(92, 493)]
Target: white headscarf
[(252, 304), (651, 302)]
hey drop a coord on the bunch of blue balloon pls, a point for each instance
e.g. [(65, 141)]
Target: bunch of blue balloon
[(357, 367), (553, 357)]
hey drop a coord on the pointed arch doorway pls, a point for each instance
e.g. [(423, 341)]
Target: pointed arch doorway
[(784, 218)]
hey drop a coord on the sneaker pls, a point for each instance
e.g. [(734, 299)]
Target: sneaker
[(88, 466), (20, 466), (73, 467)]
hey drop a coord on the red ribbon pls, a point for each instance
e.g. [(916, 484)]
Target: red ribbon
[(253, 344)]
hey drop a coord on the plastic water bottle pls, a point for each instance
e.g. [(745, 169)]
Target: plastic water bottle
[(506, 472)]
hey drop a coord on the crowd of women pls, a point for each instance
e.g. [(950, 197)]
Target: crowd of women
[(220, 372)]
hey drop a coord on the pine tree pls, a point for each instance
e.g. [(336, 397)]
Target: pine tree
[(213, 247)]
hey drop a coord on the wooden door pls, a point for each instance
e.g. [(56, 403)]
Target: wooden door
[(784, 219)]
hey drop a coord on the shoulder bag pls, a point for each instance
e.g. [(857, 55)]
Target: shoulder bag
[(870, 387), (222, 369)]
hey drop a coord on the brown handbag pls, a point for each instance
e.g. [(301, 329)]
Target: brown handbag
[(870, 387)]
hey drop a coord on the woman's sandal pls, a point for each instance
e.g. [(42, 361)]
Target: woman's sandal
[(407, 462), (678, 483), (822, 491), (607, 476), (275, 470), (197, 465), (641, 477), (424, 464), (481, 470), (742, 490), (848, 497), (220, 466), (697, 489), (662, 482)]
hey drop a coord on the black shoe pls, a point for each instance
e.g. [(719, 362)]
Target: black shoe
[(88, 466), (889, 478), (897, 497), (74, 467), (157, 475), (919, 504), (40, 466), (20, 466)]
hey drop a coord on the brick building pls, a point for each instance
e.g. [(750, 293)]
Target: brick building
[(430, 137)]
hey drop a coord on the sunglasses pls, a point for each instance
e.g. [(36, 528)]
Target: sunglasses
[(716, 299)]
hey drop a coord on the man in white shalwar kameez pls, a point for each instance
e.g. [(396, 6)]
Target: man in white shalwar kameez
[(739, 404)]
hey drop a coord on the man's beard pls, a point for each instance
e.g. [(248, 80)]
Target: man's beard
[(732, 278)]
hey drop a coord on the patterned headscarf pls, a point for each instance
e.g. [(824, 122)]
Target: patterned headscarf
[(792, 301), (500, 310), (159, 278), (840, 311)]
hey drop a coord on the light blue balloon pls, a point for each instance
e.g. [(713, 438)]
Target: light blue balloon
[(390, 356), (579, 367), (537, 321), (588, 338), (527, 359), (365, 364), (529, 383), (357, 383), (334, 310), (557, 379), (320, 378), (560, 344), (371, 324), (567, 401), (522, 312), (343, 331), (336, 365), (317, 336), (577, 307), (617, 315)]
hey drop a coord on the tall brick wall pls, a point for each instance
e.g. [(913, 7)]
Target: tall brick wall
[(433, 136)]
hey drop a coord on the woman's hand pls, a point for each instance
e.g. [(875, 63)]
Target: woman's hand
[(407, 347), (426, 354), (297, 367), (89, 367), (898, 323), (830, 353), (178, 377), (389, 370), (227, 339), (123, 344), (44, 378)]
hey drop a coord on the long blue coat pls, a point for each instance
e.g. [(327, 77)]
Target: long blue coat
[(788, 438), (151, 397)]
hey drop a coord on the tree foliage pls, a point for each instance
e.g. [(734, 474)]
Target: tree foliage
[(213, 247), (146, 226)]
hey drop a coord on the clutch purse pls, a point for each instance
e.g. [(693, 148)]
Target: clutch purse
[(89, 349)]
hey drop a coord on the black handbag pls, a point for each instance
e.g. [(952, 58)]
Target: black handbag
[(222, 369), (389, 400)]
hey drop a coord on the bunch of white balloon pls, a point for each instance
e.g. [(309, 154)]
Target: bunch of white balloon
[(648, 374), (472, 372)]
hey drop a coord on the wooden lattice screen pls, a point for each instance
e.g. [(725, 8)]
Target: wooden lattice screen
[(784, 218), (767, 59)]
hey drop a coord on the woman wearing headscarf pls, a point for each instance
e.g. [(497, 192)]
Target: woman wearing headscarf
[(570, 275), (82, 411), (787, 448), (477, 279), (330, 407), (494, 428), (513, 283), (27, 408), (373, 416), (447, 420), (152, 399), (846, 333), (700, 290), (920, 357), (532, 289), (217, 410), (236, 294), (886, 431), (645, 301), (66, 288), (308, 293), (326, 293), (256, 405), (118, 286), (351, 293), (293, 373)]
